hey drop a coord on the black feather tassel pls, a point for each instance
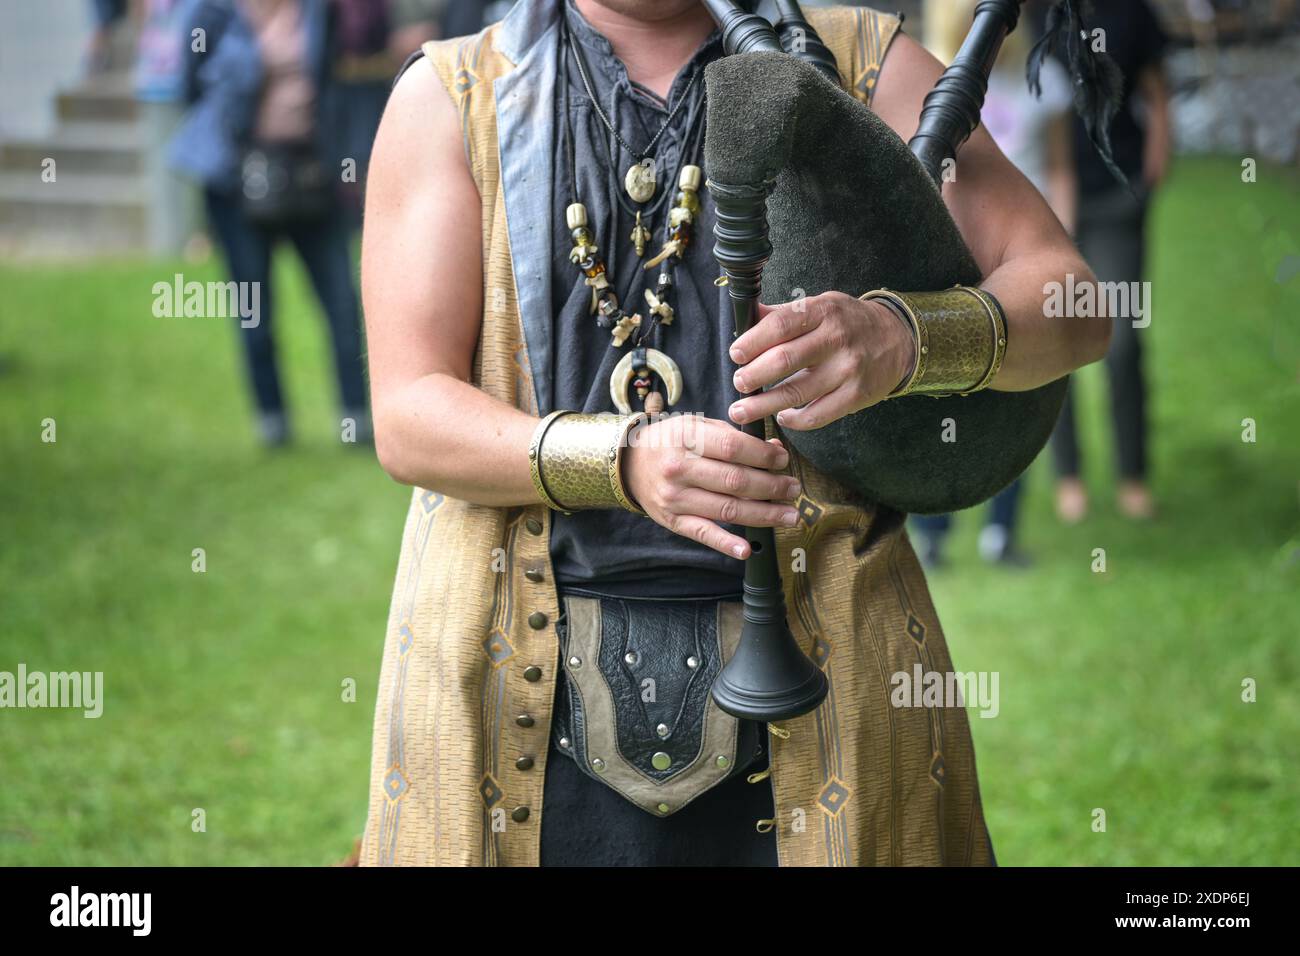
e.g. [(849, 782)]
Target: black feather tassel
[(1098, 82)]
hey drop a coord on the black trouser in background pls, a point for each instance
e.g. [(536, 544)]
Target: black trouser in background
[(1112, 238), (325, 252)]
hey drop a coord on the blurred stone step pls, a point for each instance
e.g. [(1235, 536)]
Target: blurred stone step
[(103, 214), (71, 189), (81, 147), (100, 237), (107, 99)]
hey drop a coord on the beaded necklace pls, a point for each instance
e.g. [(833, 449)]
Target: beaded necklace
[(641, 365)]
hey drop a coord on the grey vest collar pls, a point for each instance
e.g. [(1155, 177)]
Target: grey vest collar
[(525, 100)]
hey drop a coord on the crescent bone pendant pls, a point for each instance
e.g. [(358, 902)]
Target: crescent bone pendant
[(659, 363)]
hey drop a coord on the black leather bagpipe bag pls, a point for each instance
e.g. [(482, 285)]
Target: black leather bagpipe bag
[(853, 210)]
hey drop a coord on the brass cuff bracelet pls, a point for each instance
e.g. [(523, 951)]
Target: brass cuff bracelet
[(960, 336), (577, 461)]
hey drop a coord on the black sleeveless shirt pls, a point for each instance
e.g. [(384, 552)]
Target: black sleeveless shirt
[(616, 552)]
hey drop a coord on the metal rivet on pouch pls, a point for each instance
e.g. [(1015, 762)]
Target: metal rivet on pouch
[(663, 808), (662, 730), (575, 662), (723, 761), (692, 662), (564, 743), (597, 765), (661, 761), (630, 657)]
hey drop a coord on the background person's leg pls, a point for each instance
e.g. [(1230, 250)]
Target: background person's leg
[(324, 250), (933, 531), (247, 250), (1128, 411), (1115, 249), (1071, 495), (997, 541)]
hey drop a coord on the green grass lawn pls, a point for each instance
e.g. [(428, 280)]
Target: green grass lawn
[(1119, 691)]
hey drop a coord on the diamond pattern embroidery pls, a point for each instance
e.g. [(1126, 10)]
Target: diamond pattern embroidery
[(808, 510), (821, 652), (395, 784), (489, 791), (938, 771), (867, 81), (465, 81), (496, 645), (915, 630), (833, 796)]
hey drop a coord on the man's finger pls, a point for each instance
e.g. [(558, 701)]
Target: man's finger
[(710, 534), (740, 481), (831, 407), (741, 511), (781, 361), (780, 324), (723, 442), (800, 389)]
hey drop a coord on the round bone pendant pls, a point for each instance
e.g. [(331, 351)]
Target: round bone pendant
[(640, 180)]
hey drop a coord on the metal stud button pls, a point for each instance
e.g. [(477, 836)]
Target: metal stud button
[(661, 761), (519, 814), (532, 674), (534, 574), (537, 620), (564, 743), (524, 763), (523, 720), (533, 525)]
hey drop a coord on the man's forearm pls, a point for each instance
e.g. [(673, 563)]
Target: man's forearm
[(444, 434), (1040, 349)]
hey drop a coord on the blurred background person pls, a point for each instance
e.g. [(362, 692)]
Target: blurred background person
[(413, 23), (463, 17), (374, 39), (363, 71), (259, 136), (1111, 234), (107, 14), (1036, 134), (159, 82)]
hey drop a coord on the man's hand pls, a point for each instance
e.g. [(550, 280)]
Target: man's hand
[(833, 355), (689, 473)]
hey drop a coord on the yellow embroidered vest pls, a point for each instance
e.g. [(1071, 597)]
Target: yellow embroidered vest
[(468, 673)]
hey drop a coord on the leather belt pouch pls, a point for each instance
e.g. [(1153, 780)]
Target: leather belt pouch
[(634, 707)]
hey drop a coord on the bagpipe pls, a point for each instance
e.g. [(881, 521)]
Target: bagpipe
[(813, 192)]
